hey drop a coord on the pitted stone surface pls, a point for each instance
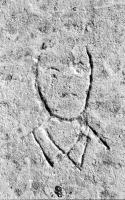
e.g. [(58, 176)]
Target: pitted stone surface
[(62, 102)]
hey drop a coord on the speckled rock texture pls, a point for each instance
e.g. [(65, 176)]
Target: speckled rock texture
[(62, 99)]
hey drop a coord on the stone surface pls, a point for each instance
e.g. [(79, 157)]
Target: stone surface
[(62, 99)]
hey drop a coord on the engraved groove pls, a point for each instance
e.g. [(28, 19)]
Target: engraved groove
[(84, 153), (51, 163), (100, 138), (91, 78)]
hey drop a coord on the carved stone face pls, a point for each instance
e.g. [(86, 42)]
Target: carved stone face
[(63, 89)]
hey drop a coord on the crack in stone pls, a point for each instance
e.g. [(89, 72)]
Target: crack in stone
[(91, 78), (99, 137), (51, 163), (84, 153)]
